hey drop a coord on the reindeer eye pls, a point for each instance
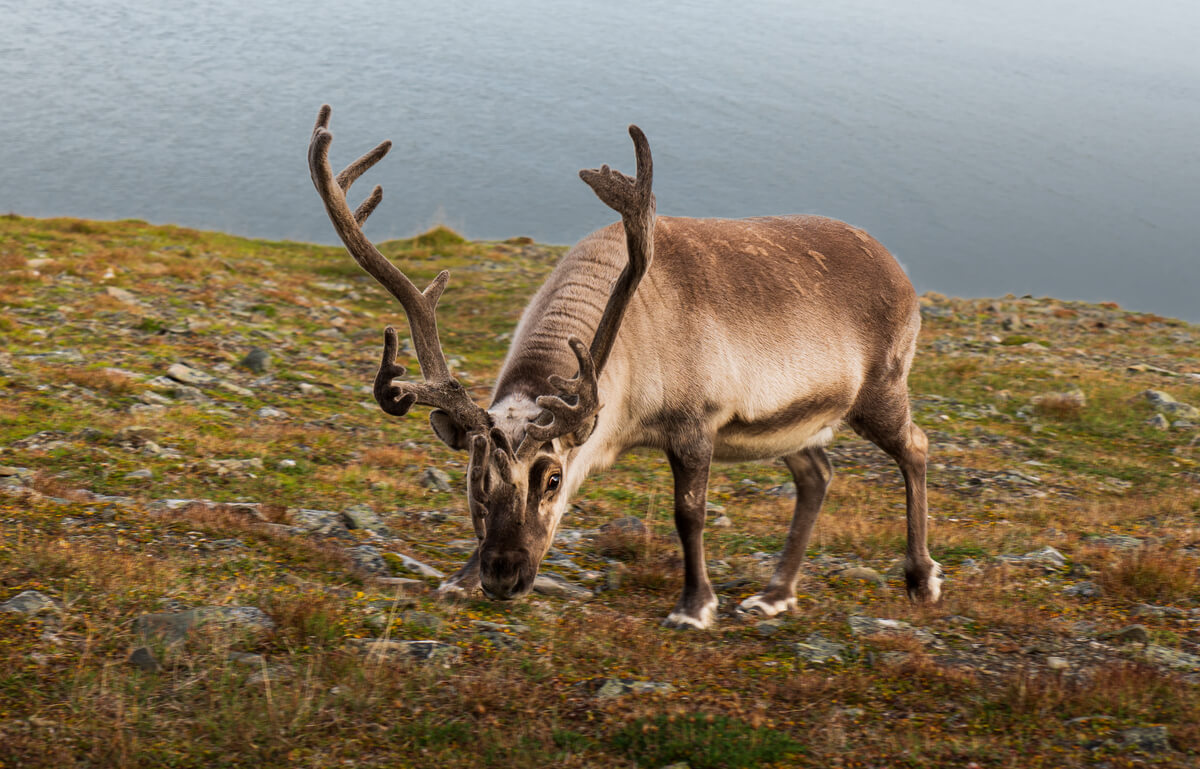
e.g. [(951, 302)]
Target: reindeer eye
[(553, 481)]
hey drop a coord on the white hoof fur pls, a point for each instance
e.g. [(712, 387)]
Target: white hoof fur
[(932, 587), (679, 619), (756, 604), (935, 583), (456, 589)]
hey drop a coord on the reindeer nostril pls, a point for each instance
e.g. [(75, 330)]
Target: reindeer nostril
[(501, 574)]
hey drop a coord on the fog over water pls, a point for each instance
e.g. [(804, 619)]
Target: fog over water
[(1023, 147)]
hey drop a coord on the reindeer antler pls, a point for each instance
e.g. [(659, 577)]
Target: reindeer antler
[(440, 389), (633, 199)]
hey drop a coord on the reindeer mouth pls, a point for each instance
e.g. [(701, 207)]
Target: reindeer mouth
[(507, 591)]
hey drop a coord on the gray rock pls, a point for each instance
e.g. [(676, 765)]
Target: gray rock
[(224, 467), (424, 620), (568, 537), (863, 574), (235, 389), (1074, 397), (257, 360), (419, 651), (1084, 590), (369, 559), (436, 479), (143, 659), (462, 546), (721, 522), (189, 394), (189, 376), (175, 627), (250, 617), (143, 474), (502, 640), (310, 390), (768, 627), (1120, 542), (818, 650), (1168, 405), (1058, 663), (378, 622), (1149, 739), (550, 584), (1127, 635), (1149, 610), (402, 584), (1172, 658), (28, 602), (626, 525), (1047, 557), (496, 627), (866, 626), (612, 688), (270, 674), (785, 490), (245, 659), (323, 522), (121, 295), (410, 564), (363, 517), (266, 412), (1158, 422)]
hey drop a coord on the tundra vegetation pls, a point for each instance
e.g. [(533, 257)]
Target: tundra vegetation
[(214, 560)]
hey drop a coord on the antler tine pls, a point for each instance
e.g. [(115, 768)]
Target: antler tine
[(633, 198), (440, 389), (567, 417)]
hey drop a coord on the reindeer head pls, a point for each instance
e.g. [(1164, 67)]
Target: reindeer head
[(519, 475)]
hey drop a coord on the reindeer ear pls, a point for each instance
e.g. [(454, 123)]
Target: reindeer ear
[(448, 430)]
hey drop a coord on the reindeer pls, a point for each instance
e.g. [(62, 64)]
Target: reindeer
[(711, 339)]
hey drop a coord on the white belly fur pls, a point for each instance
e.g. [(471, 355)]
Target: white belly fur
[(737, 447)]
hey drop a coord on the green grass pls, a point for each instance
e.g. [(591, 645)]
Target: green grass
[(702, 741)]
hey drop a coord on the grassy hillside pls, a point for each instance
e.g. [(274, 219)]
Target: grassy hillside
[(194, 555)]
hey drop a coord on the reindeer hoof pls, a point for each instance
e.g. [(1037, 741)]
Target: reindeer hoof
[(766, 607), (453, 590), (924, 584), (684, 618)]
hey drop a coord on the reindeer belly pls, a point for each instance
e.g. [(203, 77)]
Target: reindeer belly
[(740, 440), (769, 422)]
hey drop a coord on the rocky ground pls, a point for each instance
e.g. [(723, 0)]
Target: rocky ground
[(216, 551)]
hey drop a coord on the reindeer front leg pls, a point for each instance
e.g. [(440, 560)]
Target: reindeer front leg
[(465, 582), (690, 460)]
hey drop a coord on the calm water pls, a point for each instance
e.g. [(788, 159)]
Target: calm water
[(1024, 147)]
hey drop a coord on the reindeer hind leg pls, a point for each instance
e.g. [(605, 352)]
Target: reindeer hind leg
[(813, 473)]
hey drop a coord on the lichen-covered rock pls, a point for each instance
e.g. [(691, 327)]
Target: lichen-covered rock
[(363, 517), (435, 479), (1149, 739), (174, 627), (1172, 658), (866, 626), (369, 559), (612, 688), (418, 651), (29, 602), (1047, 558), (862, 574), (818, 650), (406, 564), (551, 584)]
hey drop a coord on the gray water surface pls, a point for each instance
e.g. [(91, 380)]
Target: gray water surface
[(1026, 147)]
